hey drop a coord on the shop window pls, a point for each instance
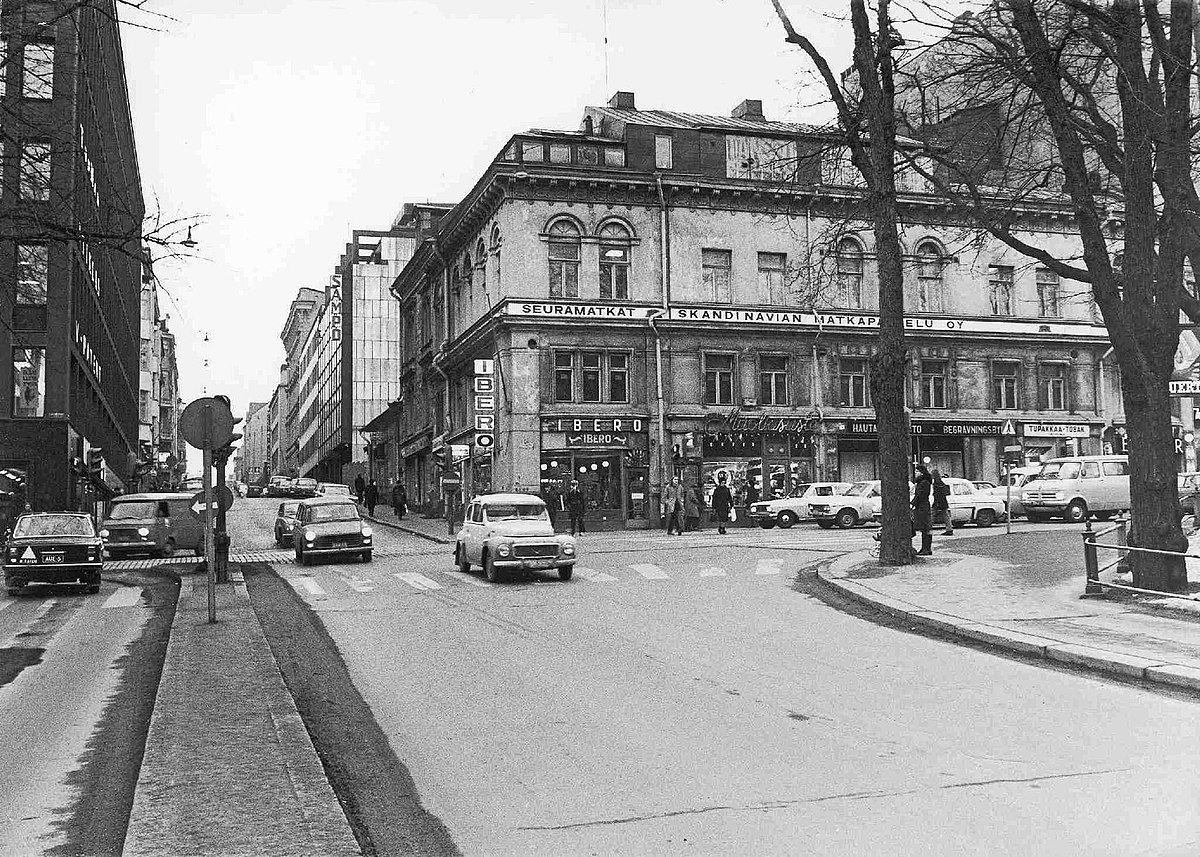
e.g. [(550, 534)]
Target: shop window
[(933, 383), (772, 380), (598, 474), (1049, 294), (591, 362), (1052, 391), (618, 377), (29, 382), (32, 274), (1004, 384), (930, 285), (849, 274), (564, 376), (718, 379), (716, 266), (852, 382), (614, 262), (564, 259), (1000, 288)]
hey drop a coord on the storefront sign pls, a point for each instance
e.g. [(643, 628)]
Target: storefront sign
[(736, 420), (589, 440), (485, 404), (413, 447), (926, 427), (581, 311), (1184, 388), (1057, 430), (595, 425), (335, 307)]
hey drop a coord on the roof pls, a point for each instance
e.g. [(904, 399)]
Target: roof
[(488, 499), (167, 495), (338, 500), (56, 514), (675, 119)]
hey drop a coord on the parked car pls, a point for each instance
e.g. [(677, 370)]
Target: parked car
[(1018, 476), (969, 505), (302, 488), (255, 491), (856, 505), (981, 485), (786, 511), (507, 532), (330, 526), (53, 547), (1074, 487), (278, 486), (286, 521), (333, 489), (154, 524)]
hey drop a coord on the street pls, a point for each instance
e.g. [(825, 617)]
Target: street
[(686, 694)]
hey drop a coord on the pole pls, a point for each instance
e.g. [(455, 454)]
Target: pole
[(221, 536), (210, 553), (1008, 496)]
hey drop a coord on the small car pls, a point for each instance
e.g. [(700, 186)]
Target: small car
[(285, 522), (968, 505), (856, 505), (509, 532), (786, 511), (333, 489), (1018, 476), (330, 526), (279, 486), (981, 485), (53, 547), (254, 491), (1077, 487), (156, 524), (302, 488)]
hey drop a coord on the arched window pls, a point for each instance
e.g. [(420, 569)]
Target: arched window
[(564, 259), (467, 270), (481, 260), (931, 290), (849, 273), (614, 261), (496, 251)]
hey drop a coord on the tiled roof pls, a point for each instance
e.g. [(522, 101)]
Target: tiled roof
[(674, 119)]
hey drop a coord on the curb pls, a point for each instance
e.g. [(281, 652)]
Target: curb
[(1177, 676), (441, 540)]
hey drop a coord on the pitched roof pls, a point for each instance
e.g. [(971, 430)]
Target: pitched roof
[(675, 119)]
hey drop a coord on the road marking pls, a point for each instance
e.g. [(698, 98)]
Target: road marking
[(769, 566), (309, 585), (126, 596), (4, 605), (650, 571), (359, 584), (593, 575), (44, 609), (467, 578), (712, 571), (417, 581)]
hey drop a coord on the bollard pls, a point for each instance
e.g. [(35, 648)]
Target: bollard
[(1092, 587), (1123, 566)]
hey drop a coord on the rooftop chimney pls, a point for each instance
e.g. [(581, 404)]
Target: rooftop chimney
[(623, 101), (589, 127), (750, 109)]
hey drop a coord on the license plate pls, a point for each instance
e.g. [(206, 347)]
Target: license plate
[(341, 544), (52, 557), (540, 563)]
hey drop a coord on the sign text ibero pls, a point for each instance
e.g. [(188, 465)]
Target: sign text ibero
[(485, 404)]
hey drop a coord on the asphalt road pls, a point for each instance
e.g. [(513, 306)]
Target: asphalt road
[(686, 695)]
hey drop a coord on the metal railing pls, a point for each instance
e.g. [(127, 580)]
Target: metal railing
[(1122, 548)]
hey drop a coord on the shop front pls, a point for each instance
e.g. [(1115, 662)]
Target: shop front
[(414, 455), (609, 457), (1041, 441), (969, 449)]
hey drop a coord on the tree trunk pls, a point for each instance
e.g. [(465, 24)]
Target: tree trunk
[(1153, 487)]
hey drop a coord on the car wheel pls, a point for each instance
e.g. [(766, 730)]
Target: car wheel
[(565, 572), (366, 556), (985, 517), (825, 525), (787, 519), (846, 518), (460, 559), (489, 569), (1076, 512), (767, 525)]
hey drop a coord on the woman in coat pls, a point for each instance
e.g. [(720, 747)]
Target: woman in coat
[(691, 509), (399, 500), (722, 502), (920, 506)]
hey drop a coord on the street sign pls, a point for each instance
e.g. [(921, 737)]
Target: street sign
[(1008, 428), (222, 499), (460, 451), (207, 423), (1016, 448), (451, 480)]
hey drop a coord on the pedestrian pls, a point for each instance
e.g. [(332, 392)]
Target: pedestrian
[(691, 509), (399, 500), (941, 503), (722, 503), (359, 486), (371, 497), (920, 507), (673, 500), (548, 498), (574, 503)]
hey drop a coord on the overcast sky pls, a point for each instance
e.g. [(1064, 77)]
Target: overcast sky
[(287, 125)]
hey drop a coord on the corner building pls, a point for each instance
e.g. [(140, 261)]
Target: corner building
[(666, 293)]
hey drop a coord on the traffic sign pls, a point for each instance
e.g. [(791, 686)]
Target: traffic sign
[(460, 451), (222, 499), (207, 423), (1008, 428)]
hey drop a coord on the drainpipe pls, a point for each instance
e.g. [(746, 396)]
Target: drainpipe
[(653, 316), (664, 237)]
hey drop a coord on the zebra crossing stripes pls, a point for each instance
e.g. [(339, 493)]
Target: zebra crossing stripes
[(593, 575), (713, 571), (768, 566), (309, 585), (417, 581), (126, 596), (469, 578), (650, 571)]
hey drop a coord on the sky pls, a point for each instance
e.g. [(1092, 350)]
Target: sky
[(285, 125)]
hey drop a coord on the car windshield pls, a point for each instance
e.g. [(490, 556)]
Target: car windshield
[(307, 483), (333, 512), (800, 489), (859, 489), (517, 512), (1059, 470), (338, 489), (132, 510), (54, 525)]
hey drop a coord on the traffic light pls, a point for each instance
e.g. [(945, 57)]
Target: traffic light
[(77, 467), (439, 459), (95, 463), (676, 454), (236, 436)]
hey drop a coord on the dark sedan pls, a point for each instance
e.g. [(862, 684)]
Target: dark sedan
[(53, 547)]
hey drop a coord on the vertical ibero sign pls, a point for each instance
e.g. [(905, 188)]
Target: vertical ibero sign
[(335, 307), (485, 404)]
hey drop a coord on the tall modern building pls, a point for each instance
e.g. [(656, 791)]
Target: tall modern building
[(71, 214)]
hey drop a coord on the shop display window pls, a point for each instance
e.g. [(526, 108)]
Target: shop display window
[(599, 476)]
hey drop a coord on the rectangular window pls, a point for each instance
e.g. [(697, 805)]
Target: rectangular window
[(533, 152), (591, 361), (1004, 384), (35, 171), (29, 382), (772, 380), (614, 272), (1054, 387), (37, 71), (933, 383), (614, 157), (852, 382), (560, 154), (1000, 287), (718, 379), (662, 151), (618, 377), (716, 268), (1049, 296), (771, 284), (564, 376), (564, 269), (32, 274)]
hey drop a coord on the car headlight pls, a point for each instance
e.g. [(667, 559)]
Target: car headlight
[(310, 536), (366, 532), (504, 549), (143, 531), (1058, 495), (104, 534), (569, 550)]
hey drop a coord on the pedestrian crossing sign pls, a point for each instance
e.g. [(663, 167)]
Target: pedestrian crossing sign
[(1008, 428)]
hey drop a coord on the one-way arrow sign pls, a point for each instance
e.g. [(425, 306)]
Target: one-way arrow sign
[(222, 499)]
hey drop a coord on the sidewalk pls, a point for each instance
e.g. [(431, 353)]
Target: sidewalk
[(433, 529), (1029, 602), (228, 766)]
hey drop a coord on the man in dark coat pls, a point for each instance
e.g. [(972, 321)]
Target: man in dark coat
[(920, 506), (574, 501), (359, 485), (371, 497), (722, 502), (941, 502), (399, 501)]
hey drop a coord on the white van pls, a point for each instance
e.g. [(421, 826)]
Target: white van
[(1078, 486)]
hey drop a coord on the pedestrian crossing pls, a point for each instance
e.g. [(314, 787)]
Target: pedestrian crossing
[(271, 555), (322, 584)]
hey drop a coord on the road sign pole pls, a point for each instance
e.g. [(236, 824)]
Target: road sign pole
[(210, 552), (1007, 496)]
